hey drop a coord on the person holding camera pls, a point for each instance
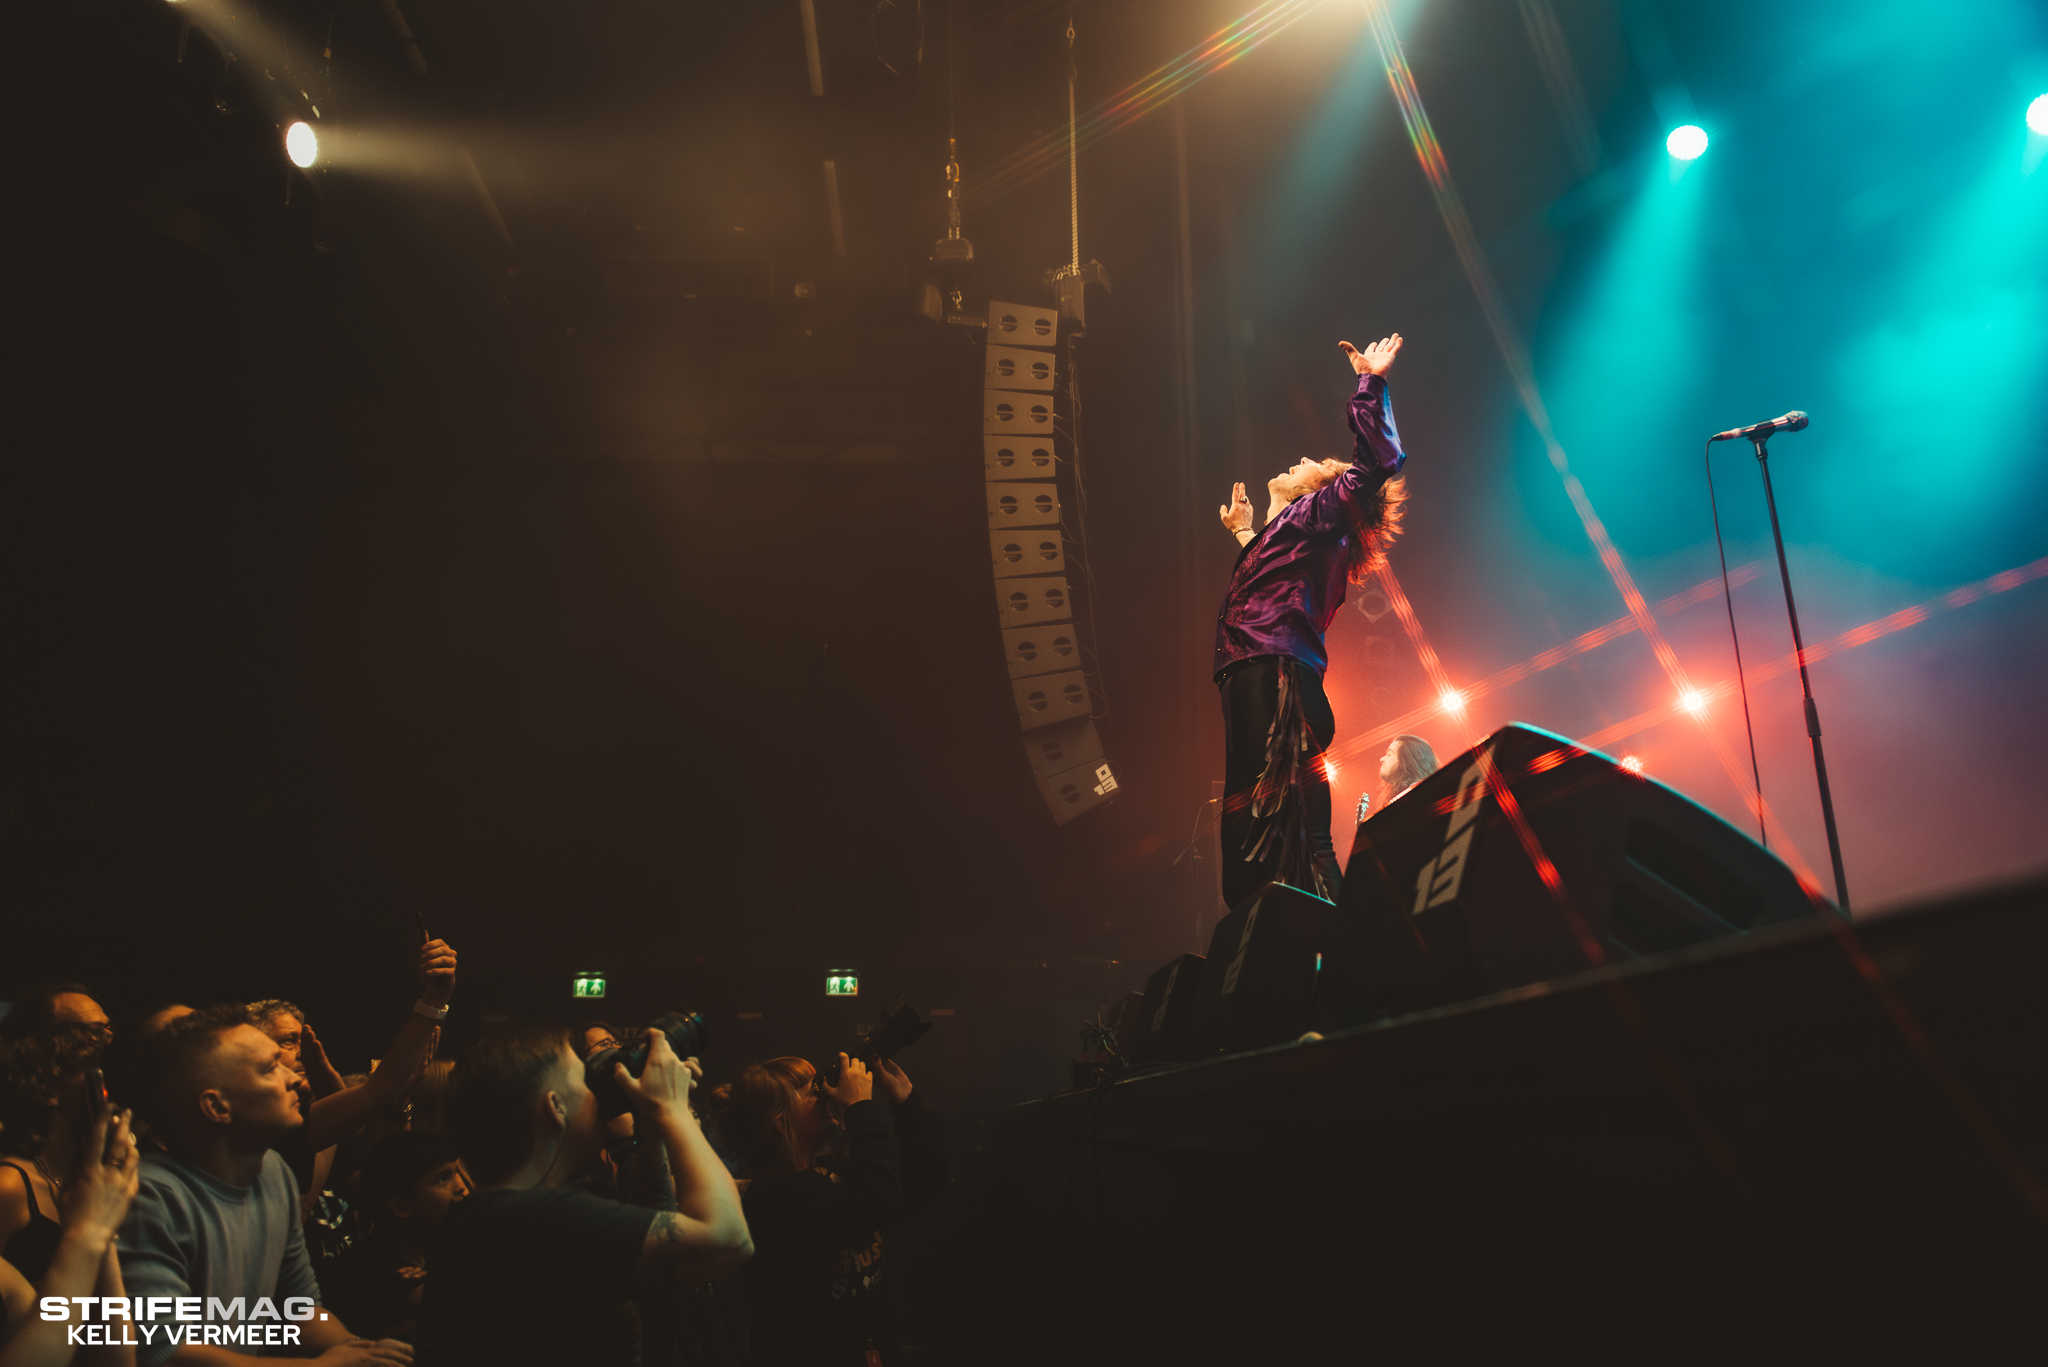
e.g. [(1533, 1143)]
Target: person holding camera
[(815, 1286), (531, 1270)]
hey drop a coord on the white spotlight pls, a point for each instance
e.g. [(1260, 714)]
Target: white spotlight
[(302, 144), (1687, 142)]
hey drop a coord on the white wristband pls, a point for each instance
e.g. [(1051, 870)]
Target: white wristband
[(432, 1013)]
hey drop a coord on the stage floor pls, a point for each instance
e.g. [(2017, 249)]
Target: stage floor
[(1823, 1142)]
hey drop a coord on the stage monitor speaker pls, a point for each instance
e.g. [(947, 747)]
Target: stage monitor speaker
[(1449, 905), (1260, 985), (1160, 1033)]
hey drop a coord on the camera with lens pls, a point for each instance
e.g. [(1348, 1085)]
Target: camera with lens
[(687, 1034), (897, 1030)]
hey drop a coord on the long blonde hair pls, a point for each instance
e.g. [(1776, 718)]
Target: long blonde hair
[(757, 1113), (1371, 538)]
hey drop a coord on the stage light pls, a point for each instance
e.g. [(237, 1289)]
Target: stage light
[(1686, 142), (1329, 767), (1632, 763), (2037, 115), (1451, 700), (302, 144), (1693, 701)]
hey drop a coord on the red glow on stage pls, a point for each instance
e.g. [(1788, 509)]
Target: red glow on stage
[(1848, 640), (1704, 591)]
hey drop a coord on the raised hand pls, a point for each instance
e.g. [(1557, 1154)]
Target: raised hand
[(892, 1081), (104, 1181), (437, 972), (1376, 359), (320, 1074), (664, 1080), (1236, 514), (855, 1083)]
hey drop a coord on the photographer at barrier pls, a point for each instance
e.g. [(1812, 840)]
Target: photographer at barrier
[(530, 1270), (815, 1286)]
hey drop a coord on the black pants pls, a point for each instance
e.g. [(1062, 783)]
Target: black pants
[(1251, 696)]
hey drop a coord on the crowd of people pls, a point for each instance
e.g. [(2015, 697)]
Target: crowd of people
[(203, 1186)]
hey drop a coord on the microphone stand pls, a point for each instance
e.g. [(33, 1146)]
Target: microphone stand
[(1820, 761)]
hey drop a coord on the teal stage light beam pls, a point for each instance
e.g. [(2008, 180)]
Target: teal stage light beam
[(1625, 370), (1966, 321)]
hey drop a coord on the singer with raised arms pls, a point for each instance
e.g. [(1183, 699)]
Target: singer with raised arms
[(1328, 525)]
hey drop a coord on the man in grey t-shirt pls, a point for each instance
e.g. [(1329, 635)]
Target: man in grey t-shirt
[(212, 1245)]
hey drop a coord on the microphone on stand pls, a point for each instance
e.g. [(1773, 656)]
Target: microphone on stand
[(1794, 421), (1364, 804)]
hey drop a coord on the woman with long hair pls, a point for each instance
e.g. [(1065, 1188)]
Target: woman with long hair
[(1408, 761), (814, 1287), (1328, 525)]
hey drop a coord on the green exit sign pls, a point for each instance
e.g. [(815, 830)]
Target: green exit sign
[(588, 985), (840, 983)]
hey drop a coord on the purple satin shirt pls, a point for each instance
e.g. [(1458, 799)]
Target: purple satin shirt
[(1290, 578)]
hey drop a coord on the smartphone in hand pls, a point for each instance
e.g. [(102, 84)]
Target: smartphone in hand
[(95, 1098)]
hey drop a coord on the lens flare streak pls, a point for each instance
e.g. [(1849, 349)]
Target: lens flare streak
[(1848, 640), (1151, 92), (1599, 636), (1431, 665)]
